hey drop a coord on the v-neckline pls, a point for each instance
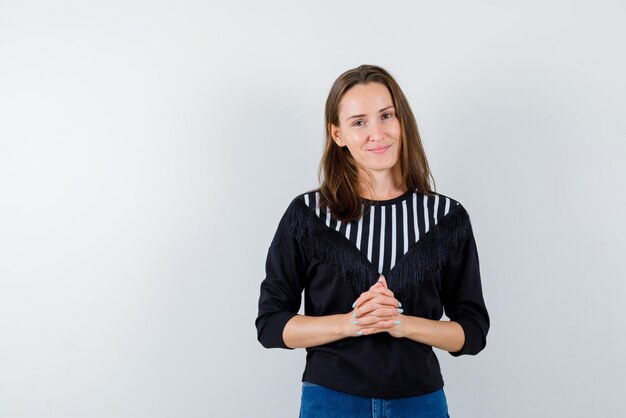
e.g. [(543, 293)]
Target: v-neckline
[(432, 247), (377, 204)]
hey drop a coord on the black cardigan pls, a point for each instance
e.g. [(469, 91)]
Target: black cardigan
[(440, 271)]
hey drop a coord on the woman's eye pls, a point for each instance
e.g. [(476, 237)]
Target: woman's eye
[(387, 115), (358, 123)]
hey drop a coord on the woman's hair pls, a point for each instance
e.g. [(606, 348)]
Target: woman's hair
[(338, 171)]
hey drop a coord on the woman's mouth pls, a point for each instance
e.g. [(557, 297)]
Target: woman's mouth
[(379, 150)]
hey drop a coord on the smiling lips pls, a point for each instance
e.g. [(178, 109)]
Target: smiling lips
[(379, 150)]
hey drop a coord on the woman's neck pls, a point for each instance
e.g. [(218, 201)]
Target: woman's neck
[(384, 185)]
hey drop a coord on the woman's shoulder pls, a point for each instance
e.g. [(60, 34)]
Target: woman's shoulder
[(437, 209), (300, 202), (452, 217), (294, 218), (309, 197), (299, 213), (447, 201)]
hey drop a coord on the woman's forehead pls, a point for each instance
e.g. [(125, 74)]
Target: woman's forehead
[(365, 98)]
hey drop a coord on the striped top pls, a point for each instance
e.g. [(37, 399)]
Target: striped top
[(387, 228), (425, 247)]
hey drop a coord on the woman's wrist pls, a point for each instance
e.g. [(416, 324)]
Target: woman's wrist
[(347, 324)]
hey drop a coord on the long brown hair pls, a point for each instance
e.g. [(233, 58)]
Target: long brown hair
[(338, 171)]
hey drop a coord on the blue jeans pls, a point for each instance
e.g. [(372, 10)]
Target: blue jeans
[(322, 402)]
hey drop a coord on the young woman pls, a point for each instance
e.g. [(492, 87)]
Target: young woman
[(379, 256)]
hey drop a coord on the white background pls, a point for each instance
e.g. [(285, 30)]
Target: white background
[(149, 148)]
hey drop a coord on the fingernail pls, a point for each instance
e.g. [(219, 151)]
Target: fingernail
[(354, 304), (400, 310), (396, 322), (399, 304), (359, 333), (354, 314), (354, 322)]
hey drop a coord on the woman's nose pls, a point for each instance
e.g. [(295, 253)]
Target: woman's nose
[(376, 131)]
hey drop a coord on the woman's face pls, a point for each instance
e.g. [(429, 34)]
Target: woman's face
[(369, 127)]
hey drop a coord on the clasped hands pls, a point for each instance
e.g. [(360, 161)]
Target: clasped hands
[(377, 310)]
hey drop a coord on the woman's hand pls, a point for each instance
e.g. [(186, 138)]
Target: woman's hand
[(377, 310)]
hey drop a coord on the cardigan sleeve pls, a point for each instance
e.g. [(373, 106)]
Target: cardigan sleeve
[(281, 290), (463, 297)]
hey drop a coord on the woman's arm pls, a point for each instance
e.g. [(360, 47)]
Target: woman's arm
[(281, 290), (446, 335), (303, 331)]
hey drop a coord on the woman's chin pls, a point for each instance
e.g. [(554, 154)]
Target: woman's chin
[(381, 167)]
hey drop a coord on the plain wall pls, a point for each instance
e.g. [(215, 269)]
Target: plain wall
[(148, 150)]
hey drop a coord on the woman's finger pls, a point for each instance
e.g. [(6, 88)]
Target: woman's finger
[(381, 286), (382, 311), (371, 320), (375, 303), (381, 291), (367, 320), (382, 281), (381, 326), (370, 294)]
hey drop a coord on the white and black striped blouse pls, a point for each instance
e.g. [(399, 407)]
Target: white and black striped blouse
[(387, 228)]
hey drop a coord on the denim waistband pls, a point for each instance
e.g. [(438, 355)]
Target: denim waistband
[(322, 402)]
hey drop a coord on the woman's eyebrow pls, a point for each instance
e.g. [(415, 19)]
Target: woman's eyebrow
[(361, 115), (355, 116)]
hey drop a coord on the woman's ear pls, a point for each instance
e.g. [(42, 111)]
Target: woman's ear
[(336, 135)]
